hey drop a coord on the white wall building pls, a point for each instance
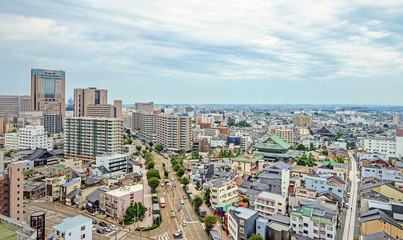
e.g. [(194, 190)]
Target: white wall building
[(267, 204), (113, 162), (385, 174), (11, 141), (32, 137), (389, 146), (78, 227)]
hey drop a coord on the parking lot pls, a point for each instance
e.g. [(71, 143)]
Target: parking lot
[(54, 214)]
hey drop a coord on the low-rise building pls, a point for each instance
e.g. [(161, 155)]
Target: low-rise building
[(375, 220), (223, 191), (68, 187), (78, 227), (326, 182), (113, 162), (315, 221), (383, 173), (267, 204), (242, 223), (118, 200)]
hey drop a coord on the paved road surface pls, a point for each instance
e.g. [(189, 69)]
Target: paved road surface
[(351, 211), (194, 228)]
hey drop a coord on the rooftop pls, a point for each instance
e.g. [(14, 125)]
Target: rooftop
[(269, 195), (72, 182), (244, 213), (124, 190), (69, 223), (248, 159)]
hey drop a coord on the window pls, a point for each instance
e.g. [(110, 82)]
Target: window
[(305, 224), (241, 222), (294, 218), (83, 236), (69, 233), (82, 228), (241, 230), (329, 228), (315, 231), (329, 235), (306, 231)]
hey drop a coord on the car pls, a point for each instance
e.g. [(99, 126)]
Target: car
[(173, 179), (106, 229), (184, 197), (182, 202), (100, 231), (164, 194), (94, 228), (52, 238), (179, 207), (103, 224), (94, 221), (346, 205), (82, 208), (178, 233), (113, 227), (162, 184), (184, 223), (174, 184), (169, 170)]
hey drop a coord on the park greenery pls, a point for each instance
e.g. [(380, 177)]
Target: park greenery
[(305, 160)]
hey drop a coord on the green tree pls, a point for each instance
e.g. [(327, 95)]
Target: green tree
[(153, 183), (197, 202), (393, 183), (340, 160), (153, 173), (126, 142), (245, 200), (166, 173), (198, 184), (207, 195), (185, 181), (130, 140), (14, 130), (174, 162), (255, 236), (301, 147), (210, 221), (144, 152), (385, 125), (159, 147), (150, 164), (180, 172), (176, 167), (151, 144), (305, 160), (138, 147)]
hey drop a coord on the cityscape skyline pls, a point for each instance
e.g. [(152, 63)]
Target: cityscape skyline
[(266, 53)]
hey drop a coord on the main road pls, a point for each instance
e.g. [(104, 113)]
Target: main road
[(171, 217), (352, 208)]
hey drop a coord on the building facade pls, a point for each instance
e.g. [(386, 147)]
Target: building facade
[(174, 131), (85, 97), (242, 223), (287, 135), (53, 123), (48, 91), (303, 120), (145, 107), (223, 191), (118, 200), (11, 192), (113, 162), (392, 147), (267, 204), (78, 227), (32, 137), (86, 138)]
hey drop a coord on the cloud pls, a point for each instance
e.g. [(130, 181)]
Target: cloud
[(194, 48)]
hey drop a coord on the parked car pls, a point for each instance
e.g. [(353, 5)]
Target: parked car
[(113, 227), (94, 228), (346, 205), (164, 194), (182, 202), (100, 231), (102, 224), (106, 229), (162, 184), (184, 197), (184, 223), (178, 233), (173, 179), (94, 221)]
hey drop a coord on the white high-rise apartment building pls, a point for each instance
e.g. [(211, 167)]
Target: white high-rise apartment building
[(32, 137), (396, 119)]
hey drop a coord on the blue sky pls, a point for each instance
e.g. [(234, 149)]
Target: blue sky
[(263, 52)]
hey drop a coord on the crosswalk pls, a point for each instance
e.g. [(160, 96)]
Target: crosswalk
[(163, 237)]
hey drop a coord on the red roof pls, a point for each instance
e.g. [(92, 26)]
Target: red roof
[(238, 181), (243, 204)]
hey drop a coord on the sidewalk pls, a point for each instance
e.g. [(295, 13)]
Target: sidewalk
[(147, 201)]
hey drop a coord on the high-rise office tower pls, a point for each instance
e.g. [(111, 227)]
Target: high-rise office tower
[(48, 91), (86, 138), (89, 96), (11, 192), (9, 105)]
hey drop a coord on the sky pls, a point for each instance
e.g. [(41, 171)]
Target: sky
[(223, 52)]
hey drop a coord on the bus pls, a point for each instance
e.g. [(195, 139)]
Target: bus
[(162, 202)]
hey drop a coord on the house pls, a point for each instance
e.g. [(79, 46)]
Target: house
[(53, 186), (93, 199), (385, 174), (279, 227), (326, 182), (301, 172), (35, 191), (61, 170), (336, 169), (68, 187), (78, 227), (386, 189), (242, 223), (374, 221)]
